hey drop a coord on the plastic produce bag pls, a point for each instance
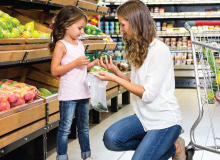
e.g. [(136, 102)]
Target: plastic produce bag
[(98, 93)]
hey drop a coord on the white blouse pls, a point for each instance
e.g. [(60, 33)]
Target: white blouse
[(158, 107)]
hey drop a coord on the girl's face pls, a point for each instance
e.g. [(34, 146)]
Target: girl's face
[(125, 28), (77, 29)]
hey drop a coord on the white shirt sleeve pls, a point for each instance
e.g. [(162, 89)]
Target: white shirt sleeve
[(159, 65)]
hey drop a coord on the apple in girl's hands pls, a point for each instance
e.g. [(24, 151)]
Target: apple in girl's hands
[(108, 64), (105, 76), (82, 61)]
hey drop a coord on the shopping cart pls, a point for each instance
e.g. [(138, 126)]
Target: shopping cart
[(205, 50)]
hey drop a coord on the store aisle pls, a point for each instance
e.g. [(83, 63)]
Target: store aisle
[(188, 101)]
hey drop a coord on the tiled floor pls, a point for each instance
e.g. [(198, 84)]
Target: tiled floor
[(189, 106)]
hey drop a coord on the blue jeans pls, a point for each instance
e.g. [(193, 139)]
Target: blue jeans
[(128, 134), (67, 110)]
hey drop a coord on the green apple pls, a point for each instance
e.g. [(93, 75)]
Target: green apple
[(21, 28), (29, 26), (27, 34), (7, 33), (35, 34), (15, 22), (6, 16)]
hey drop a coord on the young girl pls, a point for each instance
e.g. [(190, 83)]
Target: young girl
[(153, 131), (69, 62)]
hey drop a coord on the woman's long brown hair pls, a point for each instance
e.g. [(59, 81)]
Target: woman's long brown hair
[(143, 27), (67, 16)]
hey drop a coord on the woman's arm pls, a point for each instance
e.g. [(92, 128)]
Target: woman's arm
[(58, 54), (134, 88)]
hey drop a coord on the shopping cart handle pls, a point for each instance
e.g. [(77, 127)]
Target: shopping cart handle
[(189, 23), (194, 23)]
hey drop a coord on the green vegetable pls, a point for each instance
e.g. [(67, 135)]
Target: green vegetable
[(103, 56), (214, 86), (100, 107), (210, 96), (44, 92), (212, 62), (55, 91)]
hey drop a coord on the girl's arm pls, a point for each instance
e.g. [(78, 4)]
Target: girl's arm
[(93, 63), (134, 88), (58, 54)]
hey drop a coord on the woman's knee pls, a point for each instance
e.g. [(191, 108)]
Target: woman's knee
[(110, 140)]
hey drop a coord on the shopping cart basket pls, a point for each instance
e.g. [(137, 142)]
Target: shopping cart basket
[(205, 50)]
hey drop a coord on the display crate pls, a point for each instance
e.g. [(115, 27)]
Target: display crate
[(23, 20)]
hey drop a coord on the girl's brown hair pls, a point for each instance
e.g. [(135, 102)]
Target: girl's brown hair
[(67, 16), (143, 27)]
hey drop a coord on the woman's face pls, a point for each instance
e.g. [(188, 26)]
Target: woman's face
[(125, 28)]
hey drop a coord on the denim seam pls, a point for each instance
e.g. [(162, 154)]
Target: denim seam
[(80, 126), (132, 136), (158, 143)]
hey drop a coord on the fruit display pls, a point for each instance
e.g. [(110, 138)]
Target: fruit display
[(123, 66), (93, 19), (92, 30), (45, 93), (10, 27), (13, 93)]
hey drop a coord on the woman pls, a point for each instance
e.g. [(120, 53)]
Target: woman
[(153, 131)]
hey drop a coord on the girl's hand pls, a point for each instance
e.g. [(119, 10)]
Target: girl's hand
[(82, 61), (108, 65), (105, 76)]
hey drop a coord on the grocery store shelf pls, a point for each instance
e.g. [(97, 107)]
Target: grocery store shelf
[(100, 46), (116, 35), (170, 16), (39, 55), (182, 2), (185, 15), (206, 34), (170, 3), (183, 67), (93, 37), (160, 34), (181, 50), (56, 5)]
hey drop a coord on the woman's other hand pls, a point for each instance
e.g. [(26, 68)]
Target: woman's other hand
[(105, 76), (108, 65)]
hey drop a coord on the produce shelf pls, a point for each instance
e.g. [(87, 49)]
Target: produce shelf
[(11, 47), (93, 37), (23, 56), (100, 46), (20, 108), (55, 5), (12, 40)]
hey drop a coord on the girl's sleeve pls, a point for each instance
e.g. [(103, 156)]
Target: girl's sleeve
[(158, 67)]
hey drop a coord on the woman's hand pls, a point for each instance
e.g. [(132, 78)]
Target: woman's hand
[(108, 65), (82, 61), (105, 76)]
